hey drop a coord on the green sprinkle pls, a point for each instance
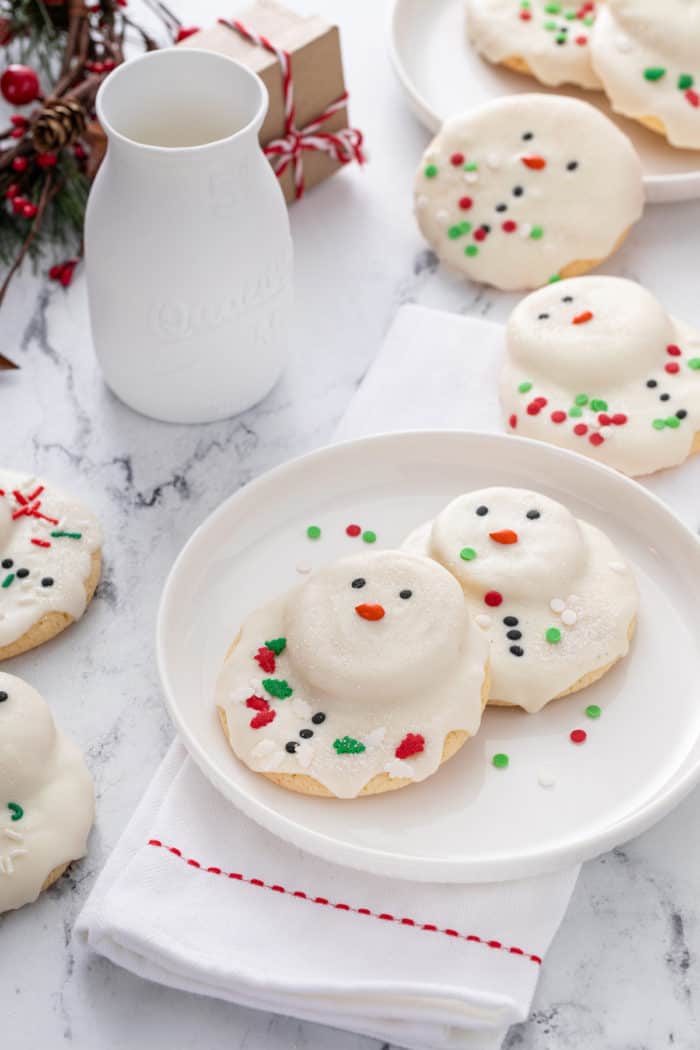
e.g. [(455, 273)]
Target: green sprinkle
[(685, 81), (593, 711), (454, 232), (588, 20), (278, 688), (278, 645), (8, 579), (553, 279), (561, 39), (471, 250), (467, 554), (369, 536), (552, 9), (525, 4), (536, 233), (16, 810), (347, 745), (430, 171), (313, 532), (68, 535), (694, 363), (525, 388), (551, 26), (553, 635), (471, 165), (658, 424), (500, 761), (598, 405), (654, 72), (575, 412), (581, 399), (673, 422), (569, 15), (465, 227)]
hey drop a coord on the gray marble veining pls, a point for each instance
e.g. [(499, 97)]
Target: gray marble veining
[(623, 973)]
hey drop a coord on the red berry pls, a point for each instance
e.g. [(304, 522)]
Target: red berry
[(66, 275), (509, 226), (558, 417), (18, 120), (17, 133), (79, 152), (20, 164), (465, 203), (456, 159), (12, 191), (493, 598), (5, 31), (29, 211), (46, 160), (672, 367), (580, 429), (19, 85), (596, 439), (109, 65), (56, 271), (18, 204), (185, 31)]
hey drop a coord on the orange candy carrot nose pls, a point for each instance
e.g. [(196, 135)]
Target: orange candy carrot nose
[(583, 318), (504, 536), (370, 612), (534, 162)]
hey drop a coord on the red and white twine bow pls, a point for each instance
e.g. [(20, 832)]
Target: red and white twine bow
[(344, 146)]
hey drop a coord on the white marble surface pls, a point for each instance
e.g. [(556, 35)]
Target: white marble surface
[(623, 971)]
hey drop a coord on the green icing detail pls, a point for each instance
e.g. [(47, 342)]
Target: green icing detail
[(694, 363), (525, 388), (313, 532), (654, 72), (16, 810), (685, 81), (673, 422), (471, 250), (575, 412), (593, 711), (536, 233), (369, 536), (68, 535), (278, 645), (430, 171), (658, 424), (467, 554), (277, 687), (553, 635), (500, 761), (8, 579), (553, 279), (347, 745), (581, 399), (598, 405)]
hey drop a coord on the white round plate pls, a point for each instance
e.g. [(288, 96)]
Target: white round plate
[(470, 821), (441, 75)]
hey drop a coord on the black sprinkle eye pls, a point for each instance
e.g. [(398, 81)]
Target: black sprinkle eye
[(22, 573), (501, 207), (518, 191), (482, 510), (359, 582), (318, 718), (532, 515), (306, 734), (542, 317), (527, 136), (651, 383), (514, 635), (664, 397), (681, 413), (3, 696), (485, 228), (47, 581), (7, 563), (510, 621), (405, 594), (572, 165), (517, 650), (568, 299), (291, 746)]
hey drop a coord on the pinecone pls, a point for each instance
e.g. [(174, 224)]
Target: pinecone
[(60, 123)]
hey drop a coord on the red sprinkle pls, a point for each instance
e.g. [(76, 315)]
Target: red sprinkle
[(509, 226), (673, 350), (266, 659), (513, 421), (558, 417), (412, 744), (541, 401), (693, 97), (457, 159), (535, 163), (577, 736), (596, 439), (525, 16), (353, 530), (604, 419), (465, 203), (493, 598), (41, 543), (480, 235), (257, 703), (580, 429), (263, 718), (534, 408), (672, 367), (619, 419), (581, 40)]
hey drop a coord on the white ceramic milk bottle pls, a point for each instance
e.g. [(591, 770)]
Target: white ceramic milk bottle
[(189, 260)]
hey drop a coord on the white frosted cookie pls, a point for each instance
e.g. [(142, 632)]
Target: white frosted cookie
[(551, 592), (49, 561), (596, 365), (548, 39), (362, 679), (647, 54), (527, 189), (47, 802)]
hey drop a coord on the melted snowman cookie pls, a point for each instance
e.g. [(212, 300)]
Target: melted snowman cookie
[(527, 189), (596, 365), (647, 54), (551, 592), (49, 562), (363, 679), (545, 39), (46, 796)]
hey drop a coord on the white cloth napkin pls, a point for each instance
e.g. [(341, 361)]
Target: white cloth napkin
[(198, 897)]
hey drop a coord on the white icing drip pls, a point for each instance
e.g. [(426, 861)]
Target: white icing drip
[(67, 561), (498, 33), (417, 669), (612, 356), (663, 36), (44, 773), (553, 549), (575, 214)]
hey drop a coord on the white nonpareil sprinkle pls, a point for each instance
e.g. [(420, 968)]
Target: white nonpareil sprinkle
[(482, 620), (442, 215), (569, 617), (557, 605), (303, 567), (546, 779), (300, 707)]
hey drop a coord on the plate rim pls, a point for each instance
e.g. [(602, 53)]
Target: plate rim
[(658, 189), (384, 862)]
